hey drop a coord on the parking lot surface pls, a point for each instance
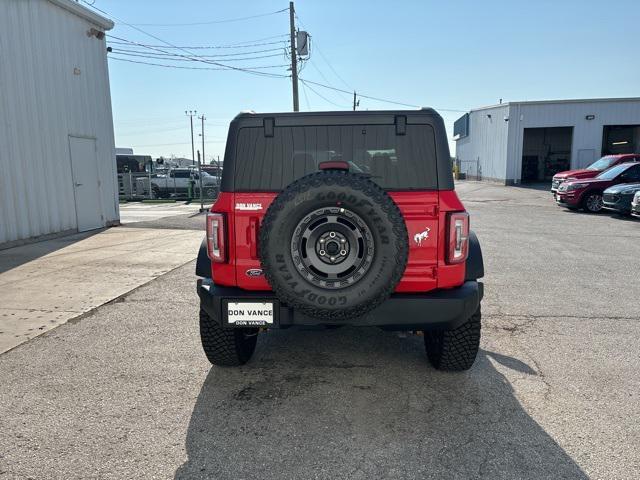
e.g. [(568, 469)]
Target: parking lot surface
[(166, 215), (126, 392)]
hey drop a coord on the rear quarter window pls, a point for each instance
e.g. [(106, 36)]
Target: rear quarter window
[(395, 162)]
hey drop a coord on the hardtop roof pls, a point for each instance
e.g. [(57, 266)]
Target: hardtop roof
[(338, 116)]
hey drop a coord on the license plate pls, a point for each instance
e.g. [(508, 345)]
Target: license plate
[(250, 314)]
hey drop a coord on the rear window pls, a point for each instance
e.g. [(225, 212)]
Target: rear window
[(395, 162)]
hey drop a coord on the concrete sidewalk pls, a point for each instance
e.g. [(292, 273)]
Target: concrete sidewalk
[(45, 284)]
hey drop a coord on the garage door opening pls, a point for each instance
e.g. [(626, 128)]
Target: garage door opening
[(618, 139), (545, 152)]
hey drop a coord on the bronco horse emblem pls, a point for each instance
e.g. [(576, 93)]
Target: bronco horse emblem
[(419, 237)]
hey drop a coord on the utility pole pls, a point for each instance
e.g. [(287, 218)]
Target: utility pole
[(202, 119), (294, 58), (191, 114), (355, 103), (200, 184)]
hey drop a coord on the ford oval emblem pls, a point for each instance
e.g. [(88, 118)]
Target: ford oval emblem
[(254, 272)]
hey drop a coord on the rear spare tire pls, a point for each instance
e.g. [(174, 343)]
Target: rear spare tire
[(333, 245)]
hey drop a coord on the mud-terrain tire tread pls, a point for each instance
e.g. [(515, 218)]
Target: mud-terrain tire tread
[(226, 347), (454, 350), (377, 195)]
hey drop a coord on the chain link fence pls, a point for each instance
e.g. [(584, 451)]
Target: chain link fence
[(178, 186)]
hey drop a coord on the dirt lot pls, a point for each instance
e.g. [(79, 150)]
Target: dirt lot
[(126, 392)]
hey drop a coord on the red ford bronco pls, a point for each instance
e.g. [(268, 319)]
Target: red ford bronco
[(339, 218)]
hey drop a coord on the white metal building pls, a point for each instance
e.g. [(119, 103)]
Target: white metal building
[(523, 142), (57, 153)]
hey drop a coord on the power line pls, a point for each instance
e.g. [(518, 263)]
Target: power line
[(333, 69), (226, 67), (351, 89), (317, 47), (212, 22), (220, 55), (209, 47), (320, 95), (193, 56), (306, 98), (202, 68), (181, 59), (320, 72), (384, 100)]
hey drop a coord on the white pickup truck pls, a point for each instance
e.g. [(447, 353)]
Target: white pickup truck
[(178, 182)]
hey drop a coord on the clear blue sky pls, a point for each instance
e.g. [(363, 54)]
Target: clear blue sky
[(448, 55)]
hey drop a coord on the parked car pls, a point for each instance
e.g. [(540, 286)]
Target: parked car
[(178, 181), (587, 193), (635, 205), (619, 197), (592, 170), (299, 237)]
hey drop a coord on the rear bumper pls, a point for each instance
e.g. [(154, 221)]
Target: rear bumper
[(439, 309)]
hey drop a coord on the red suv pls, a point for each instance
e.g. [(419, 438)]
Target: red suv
[(587, 193), (339, 218), (593, 169)]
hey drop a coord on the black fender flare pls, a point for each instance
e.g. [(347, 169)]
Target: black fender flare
[(203, 263), (474, 264)]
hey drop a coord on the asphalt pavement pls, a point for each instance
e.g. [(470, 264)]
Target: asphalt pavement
[(125, 391)]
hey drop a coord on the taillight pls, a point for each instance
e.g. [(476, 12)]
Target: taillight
[(215, 237), (458, 240)]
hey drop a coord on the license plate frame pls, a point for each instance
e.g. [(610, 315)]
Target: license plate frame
[(236, 320)]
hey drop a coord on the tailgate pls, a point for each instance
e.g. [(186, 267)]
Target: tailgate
[(420, 212)]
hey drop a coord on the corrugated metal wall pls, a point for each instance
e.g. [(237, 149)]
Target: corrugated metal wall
[(493, 148), (53, 83), (587, 134), (483, 153)]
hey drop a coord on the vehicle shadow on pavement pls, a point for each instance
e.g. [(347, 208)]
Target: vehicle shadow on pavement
[(363, 403)]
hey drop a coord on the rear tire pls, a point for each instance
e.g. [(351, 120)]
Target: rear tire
[(226, 347), (454, 350)]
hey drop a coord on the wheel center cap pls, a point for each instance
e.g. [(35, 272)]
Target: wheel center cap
[(332, 247)]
